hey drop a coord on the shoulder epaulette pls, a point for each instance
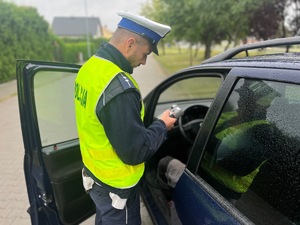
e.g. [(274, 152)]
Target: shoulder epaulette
[(118, 85), (125, 81)]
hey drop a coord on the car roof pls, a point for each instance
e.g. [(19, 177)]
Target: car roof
[(283, 53), (284, 60), (231, 53)]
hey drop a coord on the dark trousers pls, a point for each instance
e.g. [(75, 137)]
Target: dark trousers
[(107, 215)]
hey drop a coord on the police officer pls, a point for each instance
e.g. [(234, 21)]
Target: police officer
[(109, 113)]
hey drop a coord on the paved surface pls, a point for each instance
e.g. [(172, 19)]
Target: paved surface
[(13, 195)]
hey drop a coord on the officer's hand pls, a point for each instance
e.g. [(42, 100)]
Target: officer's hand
[(169, 121)]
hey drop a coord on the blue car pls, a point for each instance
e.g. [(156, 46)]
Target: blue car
[(236, 148)]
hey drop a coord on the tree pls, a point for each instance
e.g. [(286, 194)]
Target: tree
[(264, 22), (293, 15), (157, 11), (210, 22), (24, 34), (205, 22), (236, 19)]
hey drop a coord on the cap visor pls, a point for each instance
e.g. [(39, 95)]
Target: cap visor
[(155, 50)]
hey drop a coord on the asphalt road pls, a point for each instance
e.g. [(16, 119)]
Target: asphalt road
[(13, 195)]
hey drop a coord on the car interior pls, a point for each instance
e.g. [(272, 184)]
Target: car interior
[(178, 145), (274, 154), (181, 138)]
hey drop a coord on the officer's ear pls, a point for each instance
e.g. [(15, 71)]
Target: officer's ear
[(130, 44)]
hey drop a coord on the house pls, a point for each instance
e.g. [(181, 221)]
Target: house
[(76, 27)]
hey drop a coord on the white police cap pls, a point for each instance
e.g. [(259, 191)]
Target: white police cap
[(148, 29)]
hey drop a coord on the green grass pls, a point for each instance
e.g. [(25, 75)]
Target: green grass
[(174, 59)]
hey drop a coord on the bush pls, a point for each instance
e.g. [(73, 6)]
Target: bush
[(23, 35), (71, 49)]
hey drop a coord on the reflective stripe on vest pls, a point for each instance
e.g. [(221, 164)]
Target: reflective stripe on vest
[(97, 153), (228, 137), (239, 184)]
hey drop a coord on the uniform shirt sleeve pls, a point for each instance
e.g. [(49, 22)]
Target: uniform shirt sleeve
[(126, 132)]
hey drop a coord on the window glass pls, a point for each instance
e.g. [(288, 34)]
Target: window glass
[(189, 91), (192, 88), (54, 99), (253, 157)]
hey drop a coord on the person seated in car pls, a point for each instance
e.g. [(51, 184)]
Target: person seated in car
[(241, 143)]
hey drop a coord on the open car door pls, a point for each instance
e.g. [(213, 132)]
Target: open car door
[(52, 160)]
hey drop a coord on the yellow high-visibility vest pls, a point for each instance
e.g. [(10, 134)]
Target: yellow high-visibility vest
[(98, 155)]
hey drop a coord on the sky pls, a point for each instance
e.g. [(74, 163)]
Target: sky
[(106, 10)]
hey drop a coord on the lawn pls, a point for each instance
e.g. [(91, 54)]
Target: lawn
[(174, 59)]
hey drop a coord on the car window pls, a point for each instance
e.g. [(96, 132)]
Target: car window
[(252, 157), (54, 101), (190, 91), (192, 88)]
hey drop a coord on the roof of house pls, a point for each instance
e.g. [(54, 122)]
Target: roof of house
[(77, 26)]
